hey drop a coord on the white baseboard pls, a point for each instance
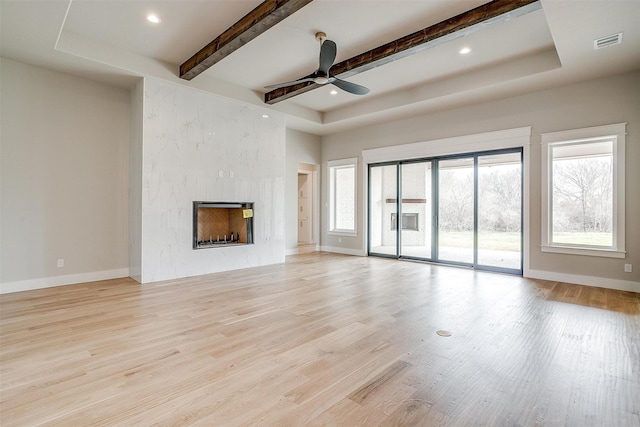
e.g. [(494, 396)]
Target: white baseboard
[(600, 282), (345, 251), (71, 279), (48, 282)]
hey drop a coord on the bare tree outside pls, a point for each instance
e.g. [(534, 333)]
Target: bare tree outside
[(500, 198), (455, 210), (582, 200), (456, 200)]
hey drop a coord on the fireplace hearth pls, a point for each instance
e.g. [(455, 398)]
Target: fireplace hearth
[(222, 224)]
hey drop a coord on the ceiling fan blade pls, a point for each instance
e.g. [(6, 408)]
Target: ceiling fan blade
[(350, 87), (308, 78), (328, 51)]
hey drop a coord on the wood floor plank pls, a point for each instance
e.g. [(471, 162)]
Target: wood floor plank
[(323, 339)]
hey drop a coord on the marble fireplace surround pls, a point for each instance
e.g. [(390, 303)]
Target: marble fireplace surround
[(192, 145)]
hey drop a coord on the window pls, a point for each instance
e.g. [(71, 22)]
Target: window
[(342, 196), (583, 191)]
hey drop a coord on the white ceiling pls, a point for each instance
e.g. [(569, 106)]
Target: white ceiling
[(111, 41)]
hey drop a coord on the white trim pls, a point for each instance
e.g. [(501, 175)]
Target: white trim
[(364, 200), (343, 233), (64, 20), (315, 234), (344, 251), (585, 133), (343, 162), (71, 279), (572, 250), (517, 137), (600, 282), (617, 133)]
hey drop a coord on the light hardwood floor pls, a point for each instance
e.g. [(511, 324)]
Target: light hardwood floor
[(322, 340)]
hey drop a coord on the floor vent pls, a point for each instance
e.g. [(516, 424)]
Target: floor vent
[(607, 41)]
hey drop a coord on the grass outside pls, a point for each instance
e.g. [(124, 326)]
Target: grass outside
[(583, 238), (510, 241)]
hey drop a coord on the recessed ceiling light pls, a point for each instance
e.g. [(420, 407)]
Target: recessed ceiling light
[(334, 92), (153, 18), (265, 116), (464, 50)]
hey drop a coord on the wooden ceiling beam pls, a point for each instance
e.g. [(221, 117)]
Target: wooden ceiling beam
[(481, 17), (266, 15)]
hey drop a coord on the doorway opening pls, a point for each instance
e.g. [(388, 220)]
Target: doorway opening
[(307, 207)]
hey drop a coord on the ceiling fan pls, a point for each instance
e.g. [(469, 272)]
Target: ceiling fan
[(322, 76)]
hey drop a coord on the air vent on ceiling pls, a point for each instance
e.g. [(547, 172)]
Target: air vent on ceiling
[(607, 41)]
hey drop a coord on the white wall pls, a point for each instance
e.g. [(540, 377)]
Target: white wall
[(64, 169), (608, 100), (135, 181), (301, 148), (201, 147)]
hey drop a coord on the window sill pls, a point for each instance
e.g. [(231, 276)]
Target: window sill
[(608, 253), (342, 233)]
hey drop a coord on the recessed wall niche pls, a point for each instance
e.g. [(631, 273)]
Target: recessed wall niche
[(222, 224)]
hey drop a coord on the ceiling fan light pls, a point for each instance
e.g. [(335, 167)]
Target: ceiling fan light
[(321, 80)]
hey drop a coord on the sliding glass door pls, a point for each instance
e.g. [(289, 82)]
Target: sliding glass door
[(462, 210), (455, 210), (417, 211), (383, 210), (499, 189)]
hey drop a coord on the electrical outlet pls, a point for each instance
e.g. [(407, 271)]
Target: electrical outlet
[(60, 263), (339, 239), (230, 174), (221, 174), (628, 268)]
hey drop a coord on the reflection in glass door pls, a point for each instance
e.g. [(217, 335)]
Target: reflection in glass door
[(383, 190), (416, 210), (456, 210), (500, 210)]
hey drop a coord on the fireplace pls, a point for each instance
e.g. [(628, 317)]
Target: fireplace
[(222, 224), (409, 221)]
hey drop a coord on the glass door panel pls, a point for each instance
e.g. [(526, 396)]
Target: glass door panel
[(383, 189), (455, 210), (416, 210), (464, 210), (500, 210)]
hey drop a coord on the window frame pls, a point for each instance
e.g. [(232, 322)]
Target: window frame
[(332, 166), (616, 133)]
